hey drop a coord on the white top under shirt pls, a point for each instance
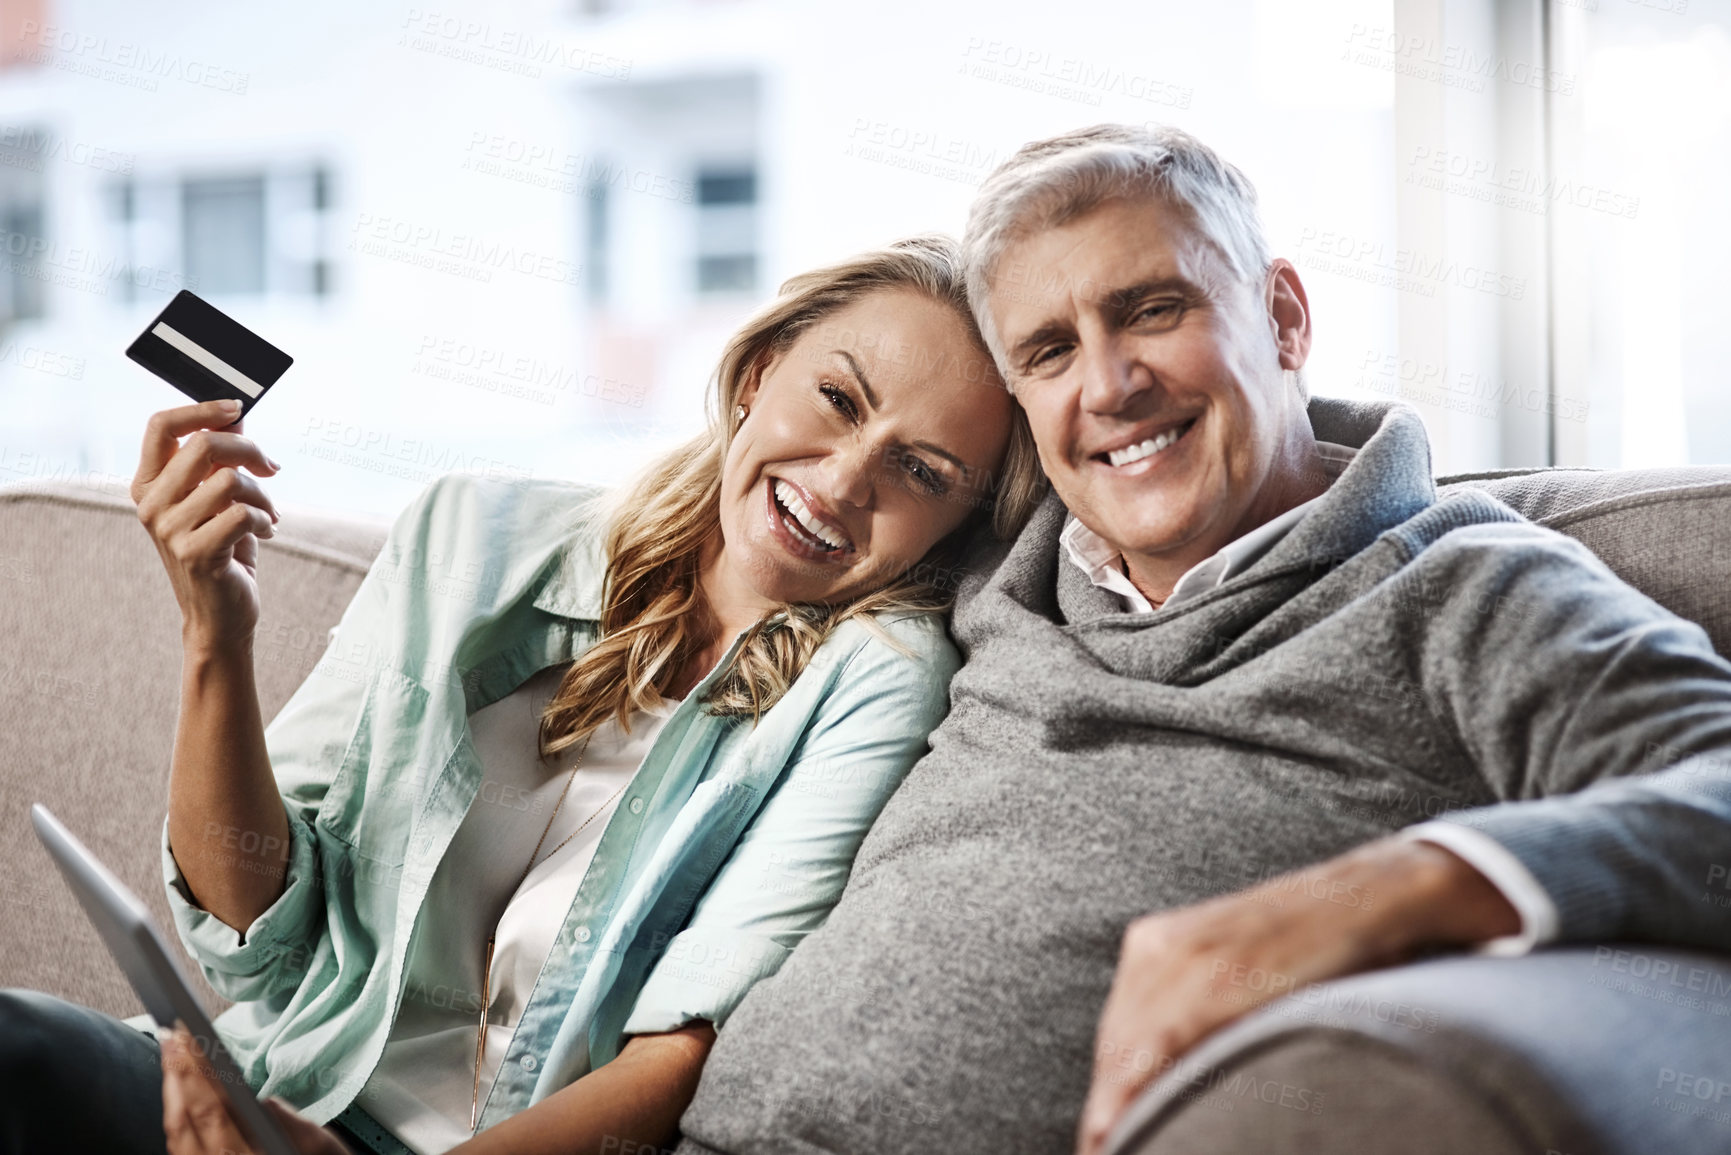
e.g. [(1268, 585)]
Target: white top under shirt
[(1104, 565), (422, 1088)]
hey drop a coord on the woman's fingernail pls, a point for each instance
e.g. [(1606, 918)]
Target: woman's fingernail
[(273, 463), (229, 406)]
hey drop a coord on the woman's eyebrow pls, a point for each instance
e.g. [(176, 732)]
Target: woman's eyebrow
[(859, 375), (943, 453)]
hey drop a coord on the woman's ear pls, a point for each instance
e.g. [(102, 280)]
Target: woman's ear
[(753, 382)]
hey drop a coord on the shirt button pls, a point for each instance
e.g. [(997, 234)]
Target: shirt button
[(528, 1062), (581, 934), (637, 806)]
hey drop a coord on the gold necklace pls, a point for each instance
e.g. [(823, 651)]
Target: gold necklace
[(487, 964)]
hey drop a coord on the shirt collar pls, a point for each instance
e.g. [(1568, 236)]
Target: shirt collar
[(577, 579), (1104, 564), (1096, 558)]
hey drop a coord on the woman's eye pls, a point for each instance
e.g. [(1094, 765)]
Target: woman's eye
[(925, 475), (841, 401)]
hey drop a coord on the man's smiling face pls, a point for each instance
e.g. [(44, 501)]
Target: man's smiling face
[(1152, 377)]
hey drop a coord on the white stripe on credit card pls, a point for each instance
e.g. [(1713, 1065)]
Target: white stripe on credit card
[(209, 360)]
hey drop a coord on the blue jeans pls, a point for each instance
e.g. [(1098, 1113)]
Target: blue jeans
[(78, 1081)]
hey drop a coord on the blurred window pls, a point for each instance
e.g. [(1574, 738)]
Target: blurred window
[(595, 243), (22, 242), (318, 262), (223, 234), (1642, 153), (727, 230), (248, 233)]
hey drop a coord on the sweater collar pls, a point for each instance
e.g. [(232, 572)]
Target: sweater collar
[(1388, 482)]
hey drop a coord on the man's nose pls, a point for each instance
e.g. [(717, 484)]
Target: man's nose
[(1111, 376)]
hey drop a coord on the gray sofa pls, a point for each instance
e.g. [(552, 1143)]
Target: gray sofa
[(1608, 1049)]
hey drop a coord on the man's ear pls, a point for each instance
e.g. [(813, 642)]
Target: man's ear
[(1288, 314)]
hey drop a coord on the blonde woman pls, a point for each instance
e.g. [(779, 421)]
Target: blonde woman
[(572, 775)]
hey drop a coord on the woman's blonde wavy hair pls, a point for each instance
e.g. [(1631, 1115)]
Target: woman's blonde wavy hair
[(654, 618)]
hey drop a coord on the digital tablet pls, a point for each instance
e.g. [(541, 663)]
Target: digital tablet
[(130, 935)]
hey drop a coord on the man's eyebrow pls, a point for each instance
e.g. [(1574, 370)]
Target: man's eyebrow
[(1133, 293), (1047, 332), (859, 375), (1113, 298)]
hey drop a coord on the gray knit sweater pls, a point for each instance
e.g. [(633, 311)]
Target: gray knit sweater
[(1395, 658)]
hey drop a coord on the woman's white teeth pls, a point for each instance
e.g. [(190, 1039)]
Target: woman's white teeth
[(794, 504), (1146, 448)]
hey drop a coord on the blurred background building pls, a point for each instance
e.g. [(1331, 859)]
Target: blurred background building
[(512, 237)]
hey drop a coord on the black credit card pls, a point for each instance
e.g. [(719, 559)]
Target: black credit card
[(208, 355)]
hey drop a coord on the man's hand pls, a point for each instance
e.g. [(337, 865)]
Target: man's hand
[(195, 1118), (1185, 973)]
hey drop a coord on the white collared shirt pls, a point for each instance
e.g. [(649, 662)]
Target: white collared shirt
[(425, 1081), (1103, 562), (1104, 565)]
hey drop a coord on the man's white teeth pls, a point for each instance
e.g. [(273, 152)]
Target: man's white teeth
[(794, 504), (1146, 448)]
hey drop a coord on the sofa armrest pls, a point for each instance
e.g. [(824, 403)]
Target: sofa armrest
[(89, 684), (1604, 1050)]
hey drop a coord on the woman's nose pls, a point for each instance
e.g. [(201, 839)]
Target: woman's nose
[(849, 474)]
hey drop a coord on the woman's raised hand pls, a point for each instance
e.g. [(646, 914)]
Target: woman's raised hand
[(206, 516)]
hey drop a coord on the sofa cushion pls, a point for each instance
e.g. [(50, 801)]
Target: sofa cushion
[(1667, 532)]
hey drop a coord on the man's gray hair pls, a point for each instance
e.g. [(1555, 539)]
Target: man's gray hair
[(1050, 182)]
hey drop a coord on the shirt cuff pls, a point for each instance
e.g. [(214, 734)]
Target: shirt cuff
[(1507, 873), (703, 975), (276, 943)]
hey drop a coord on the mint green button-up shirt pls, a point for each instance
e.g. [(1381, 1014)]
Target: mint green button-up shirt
[(732, 842)]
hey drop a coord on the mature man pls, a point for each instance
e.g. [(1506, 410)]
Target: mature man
[(1210, 693)]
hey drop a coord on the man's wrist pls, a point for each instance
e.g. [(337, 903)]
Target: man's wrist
[(1539, 918), (1433, 897)]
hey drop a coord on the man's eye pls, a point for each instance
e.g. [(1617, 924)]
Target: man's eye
[(1046, 354), (842, 402), (1158, 311)]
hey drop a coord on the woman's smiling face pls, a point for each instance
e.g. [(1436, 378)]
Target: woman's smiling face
[(870, 437)]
